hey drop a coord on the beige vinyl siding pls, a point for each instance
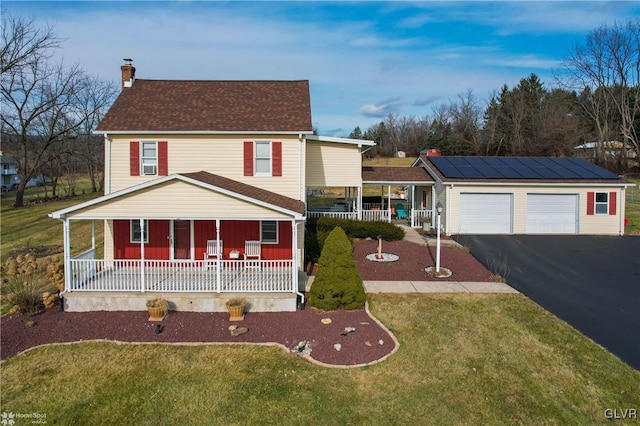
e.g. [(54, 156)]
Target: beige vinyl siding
[(587, 224), (178, 200), (221, 155), (333, 164), (108, 240)]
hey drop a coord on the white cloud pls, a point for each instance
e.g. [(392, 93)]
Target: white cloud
[(395, 57)]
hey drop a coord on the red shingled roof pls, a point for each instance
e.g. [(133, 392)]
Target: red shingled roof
[(248, 190), (211, 105)]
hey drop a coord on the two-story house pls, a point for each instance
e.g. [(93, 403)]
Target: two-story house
[(205, 185)]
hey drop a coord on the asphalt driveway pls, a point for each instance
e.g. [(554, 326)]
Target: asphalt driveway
[(591, 282)]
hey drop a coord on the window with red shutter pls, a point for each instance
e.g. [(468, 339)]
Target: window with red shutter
[(248, 158), (134, 158), (612, 203), (163, 159), (276, 152)]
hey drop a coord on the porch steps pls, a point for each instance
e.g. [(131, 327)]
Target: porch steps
[(84, 301)]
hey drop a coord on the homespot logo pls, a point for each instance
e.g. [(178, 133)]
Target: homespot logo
[(9, 419), (621, 413)]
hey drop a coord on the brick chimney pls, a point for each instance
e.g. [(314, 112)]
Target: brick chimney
[(128, 73), (431, 152)]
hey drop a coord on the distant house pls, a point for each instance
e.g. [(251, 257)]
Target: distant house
[(610, 150), (8, 173)]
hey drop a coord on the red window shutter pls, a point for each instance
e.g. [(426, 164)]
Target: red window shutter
[(612, 203), (163, 159), (276, 162), (590, 202), (248, 158), (134, 158)]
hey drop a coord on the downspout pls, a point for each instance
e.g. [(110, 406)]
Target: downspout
[(621, 209), (107, 169), (300, 194), (294, 269)]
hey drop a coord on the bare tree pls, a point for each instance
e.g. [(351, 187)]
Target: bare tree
[(39, 103), (94, 99), (22, 41), (606, 69)]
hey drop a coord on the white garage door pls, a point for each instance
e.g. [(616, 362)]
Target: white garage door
[(552, 213), (485, 213)]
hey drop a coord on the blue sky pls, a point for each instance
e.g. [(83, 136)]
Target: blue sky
[(363, 60)]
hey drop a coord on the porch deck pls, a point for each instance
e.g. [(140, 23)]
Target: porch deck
[(219, 276)]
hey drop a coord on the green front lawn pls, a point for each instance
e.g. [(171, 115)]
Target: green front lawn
[(463, 359), (632, 210)]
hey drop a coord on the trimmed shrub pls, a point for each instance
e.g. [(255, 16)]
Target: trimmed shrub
[(337, 283), (359, 229)]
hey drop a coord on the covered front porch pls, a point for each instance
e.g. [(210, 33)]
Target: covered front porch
[(187, 254)]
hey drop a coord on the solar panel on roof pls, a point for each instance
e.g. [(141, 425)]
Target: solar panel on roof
[(519, 168)]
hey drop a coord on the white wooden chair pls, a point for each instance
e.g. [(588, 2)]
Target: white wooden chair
[(212, 250), (252, 250)]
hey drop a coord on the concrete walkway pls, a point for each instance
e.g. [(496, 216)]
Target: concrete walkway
[(429, 286)]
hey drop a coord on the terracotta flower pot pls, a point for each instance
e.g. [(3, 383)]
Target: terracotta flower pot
[(236, 313), (156, 314)]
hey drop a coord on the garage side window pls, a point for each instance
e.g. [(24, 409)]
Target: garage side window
[(602, 203)]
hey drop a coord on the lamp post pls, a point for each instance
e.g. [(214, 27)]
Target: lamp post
[(439, 210)]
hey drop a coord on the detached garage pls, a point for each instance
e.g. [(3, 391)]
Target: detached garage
[(526, 195)]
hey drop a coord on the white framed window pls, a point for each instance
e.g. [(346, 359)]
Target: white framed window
[(269, 231), (602, 203), (262, 158), (149, 158), (135, 231)]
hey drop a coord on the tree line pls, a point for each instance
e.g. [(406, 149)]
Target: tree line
[(595, 98)]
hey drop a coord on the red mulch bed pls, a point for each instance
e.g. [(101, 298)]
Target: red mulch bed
[(286, 328), (414, 258)]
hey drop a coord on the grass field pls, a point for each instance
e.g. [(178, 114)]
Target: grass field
[(632, 211), (463, 359), (30, 226)]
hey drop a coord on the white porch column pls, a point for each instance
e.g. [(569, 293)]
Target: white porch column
[(359, 202), (294, 255), (66, 235), (411, 196), (142, 275), (433, 206), (219, 260), (389, 203), (93, 234)]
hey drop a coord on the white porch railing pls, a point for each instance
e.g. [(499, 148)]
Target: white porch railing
[(375, 215), (418, 217), (335, 215), (182, 275)]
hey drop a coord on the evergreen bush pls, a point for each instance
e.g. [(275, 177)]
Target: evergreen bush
[(337, 283)]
